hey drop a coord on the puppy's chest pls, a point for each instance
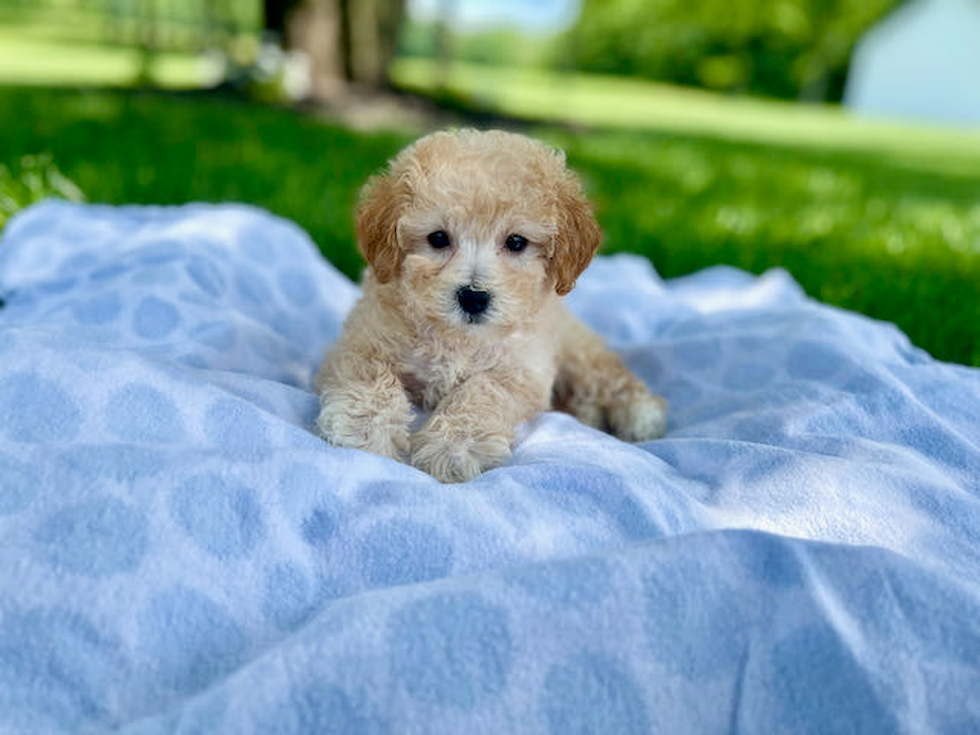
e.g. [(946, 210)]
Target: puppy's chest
[(430, 370), (428, 376)]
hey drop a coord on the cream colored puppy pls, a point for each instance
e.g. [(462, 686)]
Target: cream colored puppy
[(472, 238)]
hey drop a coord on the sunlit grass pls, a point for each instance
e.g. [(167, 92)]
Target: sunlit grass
[(630, 103), (31, 58)]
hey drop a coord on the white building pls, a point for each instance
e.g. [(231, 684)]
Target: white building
[(922, 61)]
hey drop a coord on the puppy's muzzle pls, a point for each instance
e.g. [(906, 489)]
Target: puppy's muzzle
[(473, 302)]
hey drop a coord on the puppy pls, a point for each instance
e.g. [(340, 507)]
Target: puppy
[(472, 238)]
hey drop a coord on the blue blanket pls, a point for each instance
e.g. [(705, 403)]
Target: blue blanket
[(180, 553)]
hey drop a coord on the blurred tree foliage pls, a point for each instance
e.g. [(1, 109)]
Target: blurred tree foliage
[(777, 48), (505, 46)]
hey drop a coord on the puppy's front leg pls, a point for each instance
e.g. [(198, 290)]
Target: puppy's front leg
[(363, 405), (472, 428), (596, 387)]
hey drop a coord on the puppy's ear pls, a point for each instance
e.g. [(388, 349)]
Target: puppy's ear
[(382, 201), (578, 236)]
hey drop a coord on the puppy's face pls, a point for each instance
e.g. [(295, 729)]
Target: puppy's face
[(477, 229), (475, 255)]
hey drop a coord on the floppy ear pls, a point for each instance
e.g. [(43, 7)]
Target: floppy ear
[(381, 203), (578, 236)]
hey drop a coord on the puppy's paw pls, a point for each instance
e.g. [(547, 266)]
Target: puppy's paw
[(453, 456), (384, 433), (638, 417)]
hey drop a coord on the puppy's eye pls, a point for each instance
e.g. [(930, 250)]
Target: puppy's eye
[(516, 243), (439, 239)]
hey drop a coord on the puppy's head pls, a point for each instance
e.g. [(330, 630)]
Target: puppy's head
[(477, 228)]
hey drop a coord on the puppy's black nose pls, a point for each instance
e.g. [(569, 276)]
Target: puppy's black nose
[(472, 302)]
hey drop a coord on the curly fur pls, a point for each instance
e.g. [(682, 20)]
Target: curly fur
[(408, 341)]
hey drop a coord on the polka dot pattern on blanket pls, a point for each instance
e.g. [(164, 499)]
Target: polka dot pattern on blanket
[(452, 650), (98, 537)]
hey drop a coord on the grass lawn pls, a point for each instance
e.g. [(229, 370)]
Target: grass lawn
[(886, 224), (158, 148), (628, 103), (40, 59)]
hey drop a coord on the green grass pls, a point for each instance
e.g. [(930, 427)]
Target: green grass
[(855, 230), (32, 179), (156, 148), (629, 103), (890, 230), (35, 58)]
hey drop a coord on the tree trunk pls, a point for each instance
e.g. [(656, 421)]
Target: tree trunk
[(374, 35), (391, 13), (348, 41), (444, 42), (315, 27)]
